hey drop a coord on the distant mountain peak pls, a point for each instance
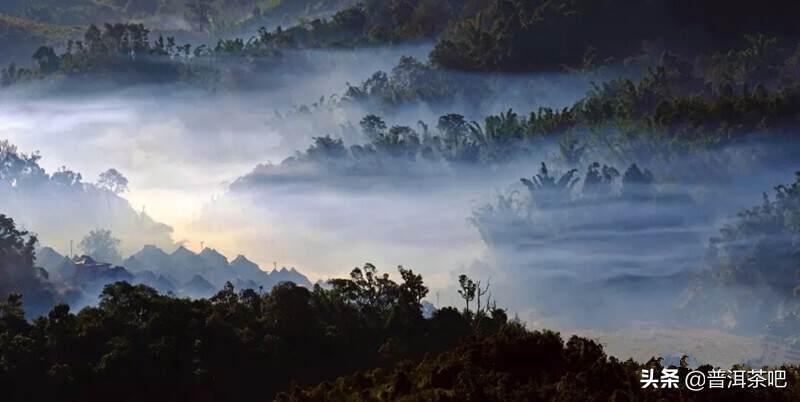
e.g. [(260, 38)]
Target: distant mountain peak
[(151, 250), (187, 267), (199, 279), (200, 286), (240, 259), (182, 251), (290, 275), (149, 257), (135, 264), (242, 262), (214, 258), (211, 251)]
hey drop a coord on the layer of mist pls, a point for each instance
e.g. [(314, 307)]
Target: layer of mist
[(180, 147), (229, 170)]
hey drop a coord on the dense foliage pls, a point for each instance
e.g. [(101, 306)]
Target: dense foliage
[(473, 35), (123, 47), (198, 14), (755, 257), (17, 271), (137, 344), (519, 35), (519, 365), (681, 105)]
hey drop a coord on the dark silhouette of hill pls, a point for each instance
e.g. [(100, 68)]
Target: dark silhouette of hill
[(18, 272), (183, 264), (519, 365), (363, 338), (149, 256), (231, 346), (199, 286), (183, 272), (484, 36)]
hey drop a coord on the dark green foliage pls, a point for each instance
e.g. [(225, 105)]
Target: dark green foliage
[(118, 51), (202, 14), (677, 106), (18, 275), (520, 35), (138, 345), (410, 81), (389, 150), (711, 106), (673, 109), (372, 22), (519, 365), (125, 54), (483, 35)]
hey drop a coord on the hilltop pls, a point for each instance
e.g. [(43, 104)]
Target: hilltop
[(182, 273)]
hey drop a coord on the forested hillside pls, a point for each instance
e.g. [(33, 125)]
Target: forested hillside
[(249, 345), (207, 17), (231, 346), (519, 365)]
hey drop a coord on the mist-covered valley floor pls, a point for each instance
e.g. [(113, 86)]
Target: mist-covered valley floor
[(211, 169), (251, 186)]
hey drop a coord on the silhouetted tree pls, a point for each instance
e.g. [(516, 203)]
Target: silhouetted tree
[(467, 289), (113, 181), (101, 245)]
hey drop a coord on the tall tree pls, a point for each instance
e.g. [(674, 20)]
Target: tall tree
[(113, 181), (468, 289), (101, 245), (18, 275)]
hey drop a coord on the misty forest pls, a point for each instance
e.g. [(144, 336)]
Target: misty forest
[(397, 200)]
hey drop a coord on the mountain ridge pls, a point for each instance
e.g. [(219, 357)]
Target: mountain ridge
[(182, 272)]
